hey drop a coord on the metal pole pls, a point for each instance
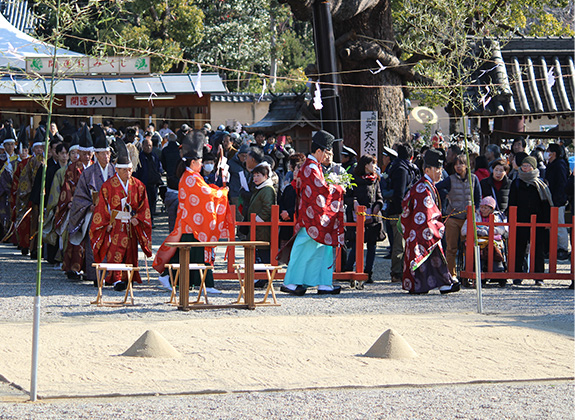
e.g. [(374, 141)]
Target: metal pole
[(36, 326), (327, 69)]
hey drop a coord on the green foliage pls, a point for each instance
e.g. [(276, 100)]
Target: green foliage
[(548, 25)]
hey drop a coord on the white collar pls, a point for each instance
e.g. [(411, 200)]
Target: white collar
[(267, 183), (124, 186), (312, 157), (429, 179)]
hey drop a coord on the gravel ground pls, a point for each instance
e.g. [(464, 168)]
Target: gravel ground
[(547, 307)]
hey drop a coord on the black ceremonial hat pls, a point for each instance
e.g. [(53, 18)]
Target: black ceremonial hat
[(40, 136), (74, 143), (193, 145), (85, 139), (122, 155), (324, 139), (433, 158), (23, 138), (100, 140)]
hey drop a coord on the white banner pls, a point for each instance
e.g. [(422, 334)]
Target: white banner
[(88, 65), (368, 133), (91, 101)]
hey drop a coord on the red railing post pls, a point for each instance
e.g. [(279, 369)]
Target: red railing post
[(231, 250), (532, 246), (490, 244), (275, 232), (359, 238), (512, 240), (553, 239), (469, 242), (252, 227)]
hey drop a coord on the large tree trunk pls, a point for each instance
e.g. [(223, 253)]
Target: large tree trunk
[(364, 33)]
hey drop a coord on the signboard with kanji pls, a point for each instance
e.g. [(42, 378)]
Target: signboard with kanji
[(368, 133), (88, 65), (91, 101)]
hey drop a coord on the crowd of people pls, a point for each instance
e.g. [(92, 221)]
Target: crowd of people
[(103, 184)]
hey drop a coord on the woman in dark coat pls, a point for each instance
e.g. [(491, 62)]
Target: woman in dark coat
[(531, 196), (497, 185), (366, 193), (288, 198)]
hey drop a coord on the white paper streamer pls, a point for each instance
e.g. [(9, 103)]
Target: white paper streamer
[(199, 82), (550, 77), (264, 86), (152, 94), (381, 67), (483, 72), (484, 99), (317, 104)]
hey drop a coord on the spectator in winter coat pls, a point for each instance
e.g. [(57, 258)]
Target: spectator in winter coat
[(556, 176), (456, 189), (481, 168), (497, 185), (261, 202), (531, 196)]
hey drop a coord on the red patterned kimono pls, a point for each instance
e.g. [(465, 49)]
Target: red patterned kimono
[(73, 254), (424, 264), (203, 210), (116, 207), (320, 208)]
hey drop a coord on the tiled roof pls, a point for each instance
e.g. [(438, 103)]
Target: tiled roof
[(285, 112), (527, 76)]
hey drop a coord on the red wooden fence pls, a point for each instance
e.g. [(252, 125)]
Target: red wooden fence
[(513, 224), (275, 224)]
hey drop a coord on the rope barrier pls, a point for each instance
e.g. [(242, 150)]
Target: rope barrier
[(362, 213)]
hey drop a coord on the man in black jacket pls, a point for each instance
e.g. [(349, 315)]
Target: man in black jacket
[(401, 175), (556, 177)]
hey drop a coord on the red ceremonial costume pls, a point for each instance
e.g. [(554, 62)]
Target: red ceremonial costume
[(116, 207), (319, 228), (320, 208), (73, 254), (424, 264), (13, 190), (23, 204), (203, 210)]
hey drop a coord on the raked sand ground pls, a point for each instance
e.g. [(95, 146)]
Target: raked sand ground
[(281, 353)]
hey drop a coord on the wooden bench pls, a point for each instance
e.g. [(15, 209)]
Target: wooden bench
[(270, 271), (101, 270), (202, 268)]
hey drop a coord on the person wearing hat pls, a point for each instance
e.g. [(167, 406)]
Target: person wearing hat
[(348, 159), (389, 156), (121, 220), (73, 255), (487, 207), (9, 148), (203, 216), (319, 226), (5, 182), (86, 193), (26, 212), (18, 166), (425, 266), (531, 196), (238, 175)]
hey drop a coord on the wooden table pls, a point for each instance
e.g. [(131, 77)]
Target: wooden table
[(184, 280)]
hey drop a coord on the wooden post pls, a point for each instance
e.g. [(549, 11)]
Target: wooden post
[(359, 238), (231, 250), (532, 235), (469, 243), (249, 261), (490, 245), (184, 279), (512, 241), (553, 237), (275, 232)]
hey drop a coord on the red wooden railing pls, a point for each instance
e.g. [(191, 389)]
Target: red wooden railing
[(275, 224), (469, 273)]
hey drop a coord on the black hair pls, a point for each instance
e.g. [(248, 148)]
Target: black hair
[(481, 162), (522, 140), (404, 151), (455, 149), (557, 149), (60, 146), (295, 159), (262, 169), (257, 154), (359, 170)]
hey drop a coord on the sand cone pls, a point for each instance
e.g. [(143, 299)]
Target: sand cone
[(391, 345), (151, 344)]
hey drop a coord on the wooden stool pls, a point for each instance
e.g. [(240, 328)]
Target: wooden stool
[(101, 269), (202, 268), (271, 273)]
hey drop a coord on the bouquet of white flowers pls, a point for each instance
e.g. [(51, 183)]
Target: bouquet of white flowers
[(344, 179)]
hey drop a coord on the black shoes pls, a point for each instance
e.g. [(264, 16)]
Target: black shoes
[(120, 286), (299, 290), (563, 255), (72, 275), (260, 284), (369, 278), (455, 287), (335, 291)]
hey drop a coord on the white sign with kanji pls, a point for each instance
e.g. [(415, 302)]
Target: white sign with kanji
[(88, 65), (91, 101), (368, 132)]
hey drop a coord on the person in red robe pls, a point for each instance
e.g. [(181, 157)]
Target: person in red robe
[(121, 220), (424, 263), (319, 226), (73, 261), (203, 215)]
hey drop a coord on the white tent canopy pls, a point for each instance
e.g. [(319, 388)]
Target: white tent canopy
[(16, 46)]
